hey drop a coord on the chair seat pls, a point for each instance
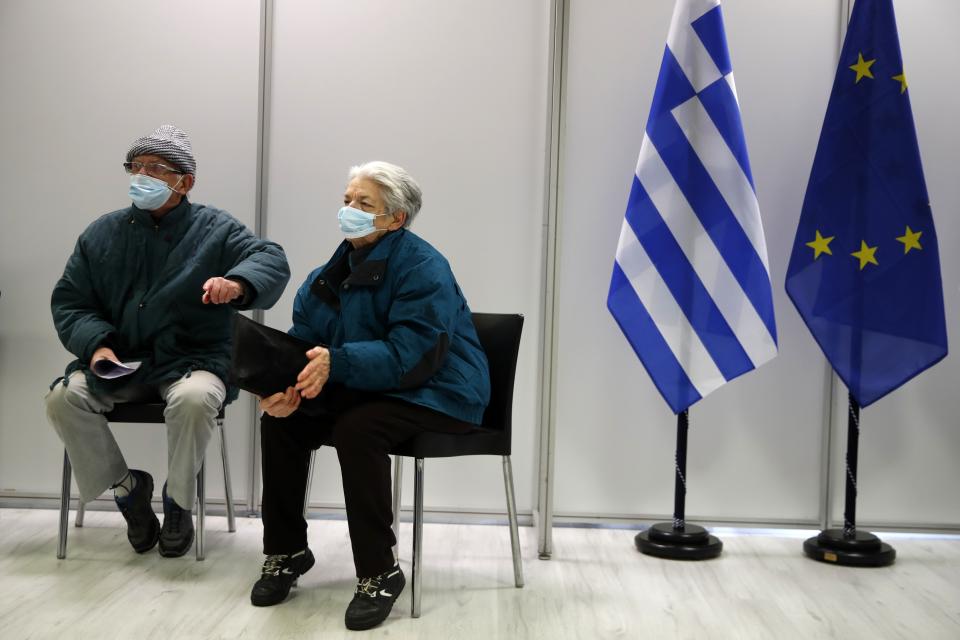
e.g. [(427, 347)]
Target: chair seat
[(478, 441), (142, 412)]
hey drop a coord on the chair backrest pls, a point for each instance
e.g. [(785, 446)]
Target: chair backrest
[(499, 335)]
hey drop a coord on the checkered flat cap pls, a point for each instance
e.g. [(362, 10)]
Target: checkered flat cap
[(168, 142)]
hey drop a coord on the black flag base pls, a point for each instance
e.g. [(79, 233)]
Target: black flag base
[(689, 542), (859, 549)]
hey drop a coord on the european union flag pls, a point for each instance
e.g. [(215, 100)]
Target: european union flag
[(865, 270)]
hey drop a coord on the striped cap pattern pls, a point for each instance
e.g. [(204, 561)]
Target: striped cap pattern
[(168, 142)]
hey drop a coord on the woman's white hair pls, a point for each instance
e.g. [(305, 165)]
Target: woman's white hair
[(399, 191)]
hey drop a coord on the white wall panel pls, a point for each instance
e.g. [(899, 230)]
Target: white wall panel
[(754, 445), (79, 82), (909, 440), (456, 93)]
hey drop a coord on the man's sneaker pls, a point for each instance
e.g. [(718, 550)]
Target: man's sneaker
[(176, 536), (143, 528), (278, 575), (373, 599)]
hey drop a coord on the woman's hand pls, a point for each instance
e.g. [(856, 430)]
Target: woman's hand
[(281, 405), (311, 380)]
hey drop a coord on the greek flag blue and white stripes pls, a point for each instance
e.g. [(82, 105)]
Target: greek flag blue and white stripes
[(691, 282)]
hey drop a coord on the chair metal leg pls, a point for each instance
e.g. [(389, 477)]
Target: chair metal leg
[(417, 535), (227, 487), (514, 529), (64, 507), (81, 510), (397, 490), (201, 507), (306, 493)]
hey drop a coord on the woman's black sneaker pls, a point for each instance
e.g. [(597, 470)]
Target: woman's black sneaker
[(278, 574), (176, 536), (373, 599), (143, 527)]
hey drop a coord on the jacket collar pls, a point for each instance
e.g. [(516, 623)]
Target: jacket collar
[(371, 272), (384, 246), (171, 219)]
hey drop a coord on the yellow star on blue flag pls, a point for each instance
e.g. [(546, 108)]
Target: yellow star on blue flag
[(910, 240), (820, 245), (862, 67)]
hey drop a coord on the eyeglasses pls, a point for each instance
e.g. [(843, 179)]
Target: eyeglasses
[(155, 169)]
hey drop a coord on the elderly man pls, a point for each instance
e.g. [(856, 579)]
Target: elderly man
[(155, 283), (401, 357)]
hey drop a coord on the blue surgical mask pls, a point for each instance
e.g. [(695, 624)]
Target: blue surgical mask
[(355, 223), (148, 193)]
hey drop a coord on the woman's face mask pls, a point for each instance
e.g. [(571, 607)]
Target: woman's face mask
[(355, 223)]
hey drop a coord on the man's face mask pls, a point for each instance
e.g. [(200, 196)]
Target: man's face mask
[(149, 193)]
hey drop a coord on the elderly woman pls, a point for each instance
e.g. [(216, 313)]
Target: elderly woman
[(399, 356)]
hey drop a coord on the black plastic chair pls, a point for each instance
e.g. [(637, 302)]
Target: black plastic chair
[(149, 413), (500, 337)]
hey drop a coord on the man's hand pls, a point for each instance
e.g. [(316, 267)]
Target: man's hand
[(315, 374), (281, 405), (103, 353), (221, 290)]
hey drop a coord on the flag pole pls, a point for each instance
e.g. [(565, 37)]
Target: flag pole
[(848, 546), (680, 470), (678, 540), (853, 442)]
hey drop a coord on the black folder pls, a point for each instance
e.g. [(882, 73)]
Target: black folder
[(265, 361)]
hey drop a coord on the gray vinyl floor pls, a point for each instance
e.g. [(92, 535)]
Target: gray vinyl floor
[(596, 586)]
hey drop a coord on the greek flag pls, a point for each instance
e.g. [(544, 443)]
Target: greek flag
[(691, 282)]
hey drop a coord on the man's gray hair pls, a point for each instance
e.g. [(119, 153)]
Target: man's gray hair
[(399, 191)]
